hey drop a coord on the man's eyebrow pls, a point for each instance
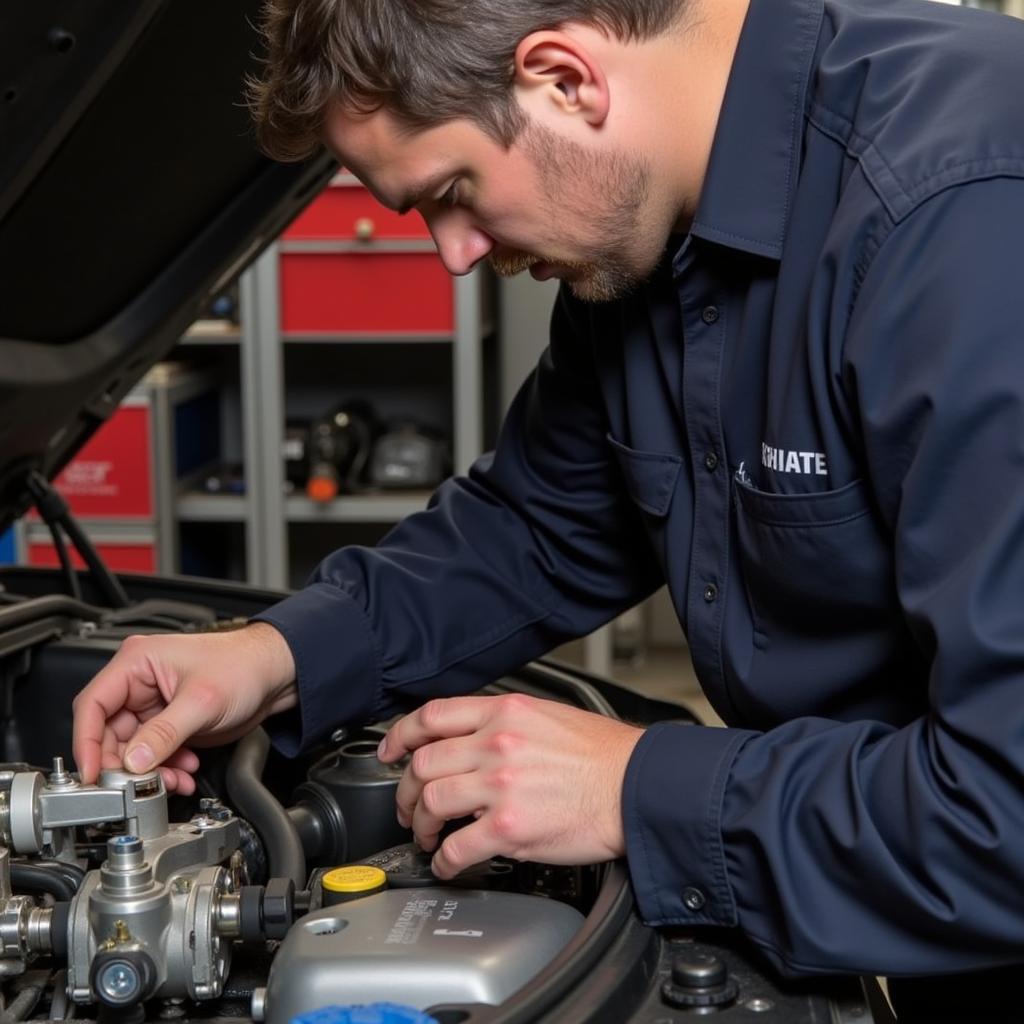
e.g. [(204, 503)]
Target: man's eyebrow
[(417, 193)]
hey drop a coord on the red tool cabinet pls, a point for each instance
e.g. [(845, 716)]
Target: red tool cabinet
[(351, 266)]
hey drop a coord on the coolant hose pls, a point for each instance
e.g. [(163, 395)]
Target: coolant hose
[(40, 878), (22, 1005), (253, 801), (72, 872)]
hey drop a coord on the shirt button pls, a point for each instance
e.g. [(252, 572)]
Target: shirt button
[(711, 462), (693, 898), (710, 593), (710, 315)]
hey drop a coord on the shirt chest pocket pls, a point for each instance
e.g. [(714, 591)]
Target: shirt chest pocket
[(650, 480), (814, 562), (650, 477)]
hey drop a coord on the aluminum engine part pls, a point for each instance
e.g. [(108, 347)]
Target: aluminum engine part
[(24, 927), (417, 947), (162, 896), (38, 813), (162, 891)]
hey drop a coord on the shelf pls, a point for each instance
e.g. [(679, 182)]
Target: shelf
[(381, 337), (197, 506), (320, 246), (212, 332), (356, 508), (364, 338)]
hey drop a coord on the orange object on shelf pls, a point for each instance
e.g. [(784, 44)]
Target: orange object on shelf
[(322, 488)]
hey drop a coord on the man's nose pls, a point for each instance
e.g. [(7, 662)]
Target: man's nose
[(460, 244)]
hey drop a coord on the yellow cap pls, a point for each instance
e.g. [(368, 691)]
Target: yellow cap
[(354, 878)]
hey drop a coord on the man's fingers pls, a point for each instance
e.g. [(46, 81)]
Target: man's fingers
[(437, 719), (443, 800), (178, 781), (433, 761), (185, 759), (159, 737), (464, 848), (93, 706)]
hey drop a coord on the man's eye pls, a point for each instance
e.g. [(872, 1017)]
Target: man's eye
[(451, 196)]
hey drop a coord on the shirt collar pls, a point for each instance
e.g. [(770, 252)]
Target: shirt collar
[(747, 192)]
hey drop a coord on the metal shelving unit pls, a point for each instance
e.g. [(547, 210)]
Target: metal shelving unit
[(199, 507), (266, 511), (356, 508)]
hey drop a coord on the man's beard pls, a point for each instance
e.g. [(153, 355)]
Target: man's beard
[(616, 187)]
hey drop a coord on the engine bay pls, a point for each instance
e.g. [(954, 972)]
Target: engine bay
[(142, 910), (282, 887)]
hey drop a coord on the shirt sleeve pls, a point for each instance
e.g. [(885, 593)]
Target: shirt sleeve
[(537, 544), (861, 846)]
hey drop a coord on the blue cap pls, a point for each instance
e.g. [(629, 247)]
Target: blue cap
[(370, 1013)]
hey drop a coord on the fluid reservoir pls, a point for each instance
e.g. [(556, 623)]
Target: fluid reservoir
[(352, 882), (363, 789)]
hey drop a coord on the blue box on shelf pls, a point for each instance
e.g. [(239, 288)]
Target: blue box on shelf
[(7, 552)]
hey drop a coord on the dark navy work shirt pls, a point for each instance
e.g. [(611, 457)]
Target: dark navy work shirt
[(809, 422)]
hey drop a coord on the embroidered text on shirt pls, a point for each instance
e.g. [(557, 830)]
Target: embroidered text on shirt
[(783, 461)]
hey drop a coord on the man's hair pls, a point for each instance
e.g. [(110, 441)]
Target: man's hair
[(426, 61)]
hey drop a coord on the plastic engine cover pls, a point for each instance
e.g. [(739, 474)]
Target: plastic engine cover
[(418, 947)]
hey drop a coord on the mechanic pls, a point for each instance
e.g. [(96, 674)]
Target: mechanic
[(786, 377)]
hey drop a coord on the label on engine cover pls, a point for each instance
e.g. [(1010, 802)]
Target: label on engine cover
[(411, 921)]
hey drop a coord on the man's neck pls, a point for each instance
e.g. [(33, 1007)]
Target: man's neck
[(688, 76)]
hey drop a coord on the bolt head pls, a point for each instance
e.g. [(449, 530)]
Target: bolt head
[(120, 982), (124, 844)]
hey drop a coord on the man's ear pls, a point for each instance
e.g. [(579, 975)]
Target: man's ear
[(555, 68)]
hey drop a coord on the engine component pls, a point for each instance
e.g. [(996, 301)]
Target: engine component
[(277, 831), (166, 899), (38, 813), (352, 882), (699, 979), (265, 913), (415, 946), (24, 927), (158, 917), (350, 785), (123, 979), (374, 1013)]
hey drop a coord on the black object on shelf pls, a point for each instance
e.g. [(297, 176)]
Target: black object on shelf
[(411, 457), (339, 450)]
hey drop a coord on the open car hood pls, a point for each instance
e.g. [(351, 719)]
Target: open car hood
[(131, 193)]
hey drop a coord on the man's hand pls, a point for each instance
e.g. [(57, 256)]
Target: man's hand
[(542, 779), (158, 692)]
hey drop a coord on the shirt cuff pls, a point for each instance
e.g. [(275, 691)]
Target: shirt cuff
[(671, 814), (337, 665)]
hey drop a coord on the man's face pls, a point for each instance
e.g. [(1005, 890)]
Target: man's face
[(547, 204)]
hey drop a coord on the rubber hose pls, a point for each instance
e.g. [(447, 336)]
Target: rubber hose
[(23, 1003), (42, 879), (72, 872), (252, 800)]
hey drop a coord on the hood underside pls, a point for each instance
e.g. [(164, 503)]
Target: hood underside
[(131, 193)]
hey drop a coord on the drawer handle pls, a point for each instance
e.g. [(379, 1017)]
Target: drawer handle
[(365, 229)]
